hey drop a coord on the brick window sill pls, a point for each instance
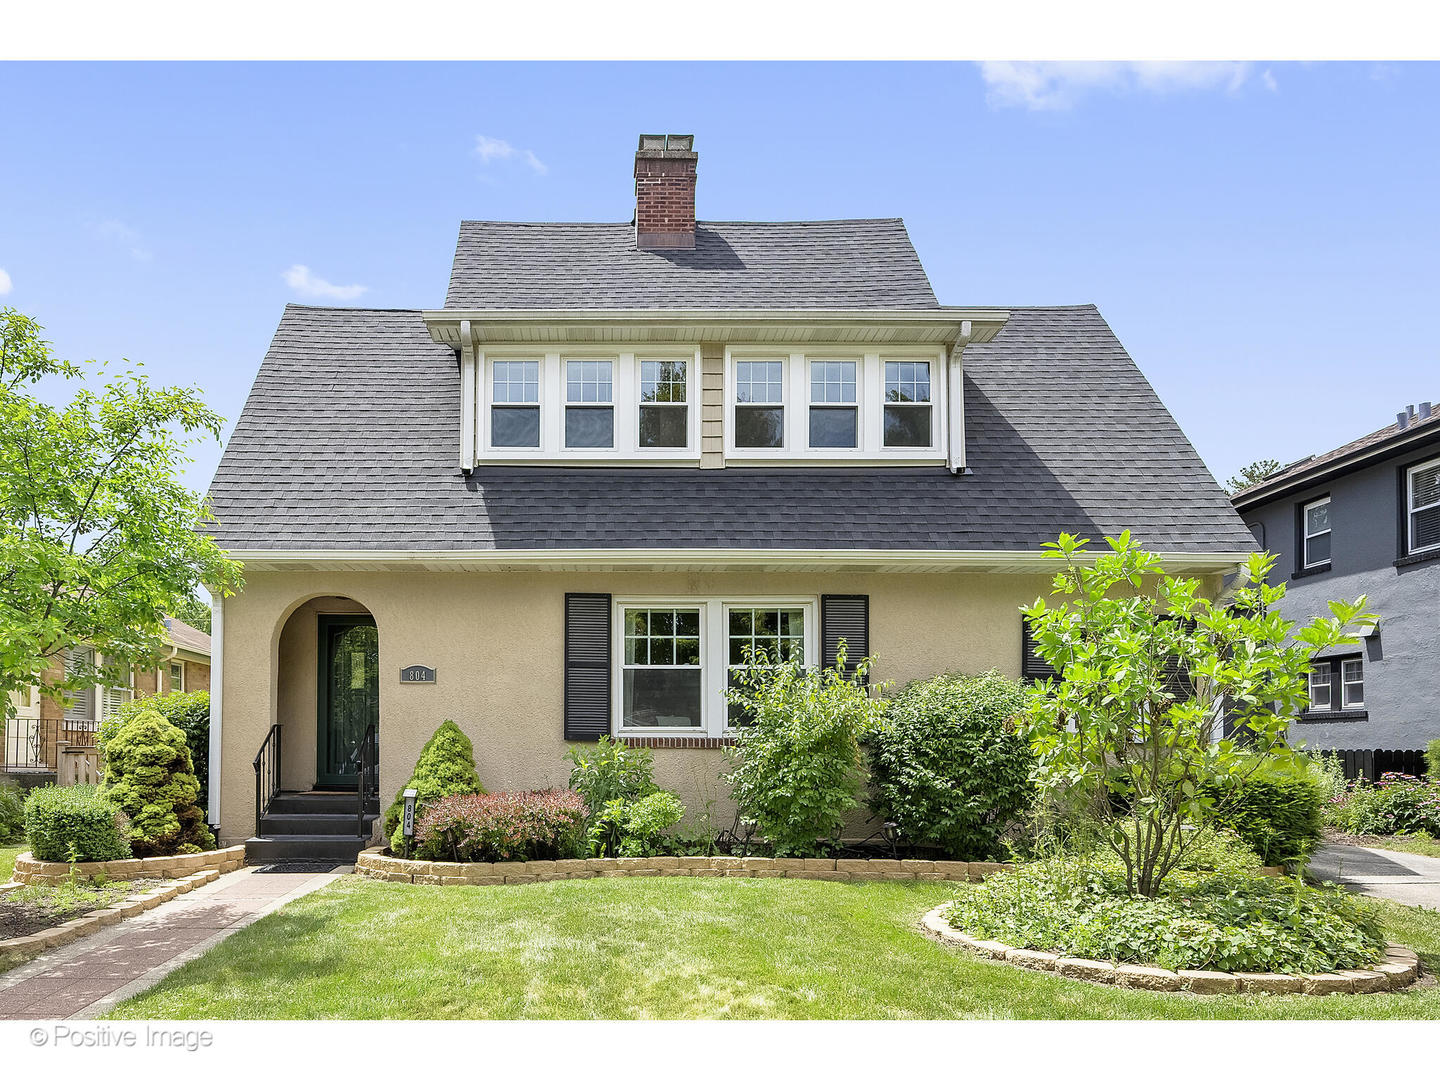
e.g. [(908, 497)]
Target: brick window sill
[(1416, 560), (677, 742), (1311, 571), (1331, 716)]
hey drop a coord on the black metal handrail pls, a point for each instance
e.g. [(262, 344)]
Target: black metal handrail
[(267, 776), (367, 776)]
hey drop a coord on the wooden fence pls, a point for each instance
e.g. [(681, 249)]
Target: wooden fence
[(1372, 763)]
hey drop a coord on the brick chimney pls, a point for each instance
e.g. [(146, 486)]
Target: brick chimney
[(665, 192)]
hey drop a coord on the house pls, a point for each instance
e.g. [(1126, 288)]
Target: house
[(41, 724), (1364, 518), (560, 505)]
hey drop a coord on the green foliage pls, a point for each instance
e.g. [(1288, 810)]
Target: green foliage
[(98, 536), (1432, 760), (1214, 850), (520, 825), (795, 767), (1153, 678), (193, 612), (635, 829), (12, 813), (1251, 475), (610, 770), (947, 765), (1223, 921), (1277, 811), (1396, 804), (149, 775), (446, 766), (188, 712), (76, 823)]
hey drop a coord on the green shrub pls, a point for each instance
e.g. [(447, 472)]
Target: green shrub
[(188, 712), (611, 770), (1215, 850), (12, 813), (1277, 810), (446, 766), (76, 822), (1396, 804), (149, 775), (947, 765), (1225, 922), (796, 761), (636, 829), (518, 825), (1432, 761)]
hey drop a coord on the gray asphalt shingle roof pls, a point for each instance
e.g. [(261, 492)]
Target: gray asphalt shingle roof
[(736, 264), (349, 440)]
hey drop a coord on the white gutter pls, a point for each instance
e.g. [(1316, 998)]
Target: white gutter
[(217, 698), (943, 315)]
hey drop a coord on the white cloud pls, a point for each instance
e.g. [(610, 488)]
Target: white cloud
[(122, 234), (1268, 78), (308, 285), (1061, 85), (5, 283), (488, 150)]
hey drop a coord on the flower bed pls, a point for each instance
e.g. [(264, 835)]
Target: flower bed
[(32, 871)]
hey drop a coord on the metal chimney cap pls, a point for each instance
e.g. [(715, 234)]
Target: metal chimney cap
[(667, 142)]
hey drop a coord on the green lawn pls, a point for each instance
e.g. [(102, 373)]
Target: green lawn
[(1416, 845), (665, 948), (8, 855)]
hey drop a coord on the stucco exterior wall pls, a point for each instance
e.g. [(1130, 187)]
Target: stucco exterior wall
[(496, 640)]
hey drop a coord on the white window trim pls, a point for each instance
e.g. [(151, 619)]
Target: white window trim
[(625, 401), (1411, 509), (1307, 535), (1344, 682), (170, 689), (714, 654), (870, 404), (1312, 705), (862, 391)]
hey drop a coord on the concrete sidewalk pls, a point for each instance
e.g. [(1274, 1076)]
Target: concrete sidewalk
[(88, 977), (1393, 875)]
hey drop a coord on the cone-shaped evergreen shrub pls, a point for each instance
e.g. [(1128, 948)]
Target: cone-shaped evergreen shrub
[(446, 767), (149, 775)]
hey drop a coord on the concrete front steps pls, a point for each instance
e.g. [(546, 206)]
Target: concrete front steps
[(311, 826)]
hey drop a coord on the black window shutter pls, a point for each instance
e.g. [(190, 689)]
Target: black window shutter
[(1032, 664), (587, 666), (847, 618)]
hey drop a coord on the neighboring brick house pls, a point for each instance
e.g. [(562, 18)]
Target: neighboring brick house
[(1364, 518), (40, 723), (560, 506)]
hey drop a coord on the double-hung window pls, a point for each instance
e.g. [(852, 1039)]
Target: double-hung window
[(177, 676), (515, 403), (760, 403), (1321, 698), (834, 411), (662, 680), (908, 419), (1352, 684), (760, 634), (1315, 530), (1337, 685), (664, 419), (589, 403), (1422, 506)]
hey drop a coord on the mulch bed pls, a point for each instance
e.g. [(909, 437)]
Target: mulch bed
[(19, 918)]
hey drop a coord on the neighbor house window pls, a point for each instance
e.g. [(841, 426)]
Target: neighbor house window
[(80, 661), (1315, 524), (515, 403), (1422, 487), (589, 403), (1320, 695), (664, 411), (776, 633), (1337, 685), (907, 403), (760, 403), (834, 413), (661, 673), (177, 677), (1352, 684)]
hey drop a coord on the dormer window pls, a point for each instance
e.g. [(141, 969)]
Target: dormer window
[(760, 403), (664, 411), (907, 403), (515, 408), (589, 403), (834, 415)]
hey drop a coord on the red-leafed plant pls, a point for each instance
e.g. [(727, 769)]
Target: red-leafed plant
[(506, 826)]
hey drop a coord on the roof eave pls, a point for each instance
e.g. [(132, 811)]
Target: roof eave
[(1402, 442)]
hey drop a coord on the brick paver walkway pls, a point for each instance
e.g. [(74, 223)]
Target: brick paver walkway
[(87, 977)]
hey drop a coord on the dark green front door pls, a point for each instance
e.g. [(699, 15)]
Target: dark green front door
[(349, 695)]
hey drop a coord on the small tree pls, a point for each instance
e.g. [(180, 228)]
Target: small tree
[(188, 712), (1251, 475), (98, 539), (1168, 702), (149, 775), (446, 766)]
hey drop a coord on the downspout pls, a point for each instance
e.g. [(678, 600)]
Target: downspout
[(217, 698), (467, 398), (955, 459)]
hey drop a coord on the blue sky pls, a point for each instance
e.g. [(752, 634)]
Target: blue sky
[(1262, 237)]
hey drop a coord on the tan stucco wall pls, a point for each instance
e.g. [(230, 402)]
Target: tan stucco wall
[(496, 640)]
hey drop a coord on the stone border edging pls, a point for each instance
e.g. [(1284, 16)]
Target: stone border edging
[(32, 871), (32, 945), (373, 864), (1400, 968)]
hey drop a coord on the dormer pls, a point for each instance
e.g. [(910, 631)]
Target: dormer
[(680, 342)]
